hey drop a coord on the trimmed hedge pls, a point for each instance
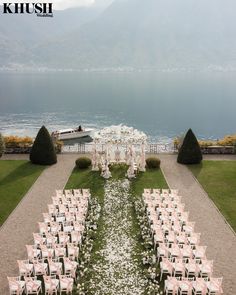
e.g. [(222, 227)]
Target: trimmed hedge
[(190, 151), (153, 162), (83, 163), (43, 151)]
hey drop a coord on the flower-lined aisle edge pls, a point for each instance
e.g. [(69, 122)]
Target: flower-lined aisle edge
[(118, 263)]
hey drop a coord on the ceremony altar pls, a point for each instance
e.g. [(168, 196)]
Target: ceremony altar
[(122, 145)]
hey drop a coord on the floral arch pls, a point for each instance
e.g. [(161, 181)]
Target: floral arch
[(119, 144)]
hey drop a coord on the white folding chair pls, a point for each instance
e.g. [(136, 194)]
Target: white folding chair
[(40, 267), (55, 267), (178, 268), (199, 287), (59, 250), (66, 284), (51, 285), (185, 287), (166, 267), (171, 286), (25, 267), (16, 285), (70, 267), (39, 239), (206, 268), (214, 286), (33, 252), (33, 285), (72, 251)]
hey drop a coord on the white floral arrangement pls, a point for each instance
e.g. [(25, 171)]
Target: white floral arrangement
[(120, 134)]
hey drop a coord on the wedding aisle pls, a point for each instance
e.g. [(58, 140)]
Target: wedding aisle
[(117, 269)]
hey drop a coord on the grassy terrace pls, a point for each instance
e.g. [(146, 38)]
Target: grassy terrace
[(150, 179), (93, 180), (16, 178), (218, 180)]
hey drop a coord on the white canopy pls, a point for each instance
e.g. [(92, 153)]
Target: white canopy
[(119, 144), (120, 134)]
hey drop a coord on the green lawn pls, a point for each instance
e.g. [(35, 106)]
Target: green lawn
[(152, 178), (87, 179), (218, 178), (91, 179), (16, 177)]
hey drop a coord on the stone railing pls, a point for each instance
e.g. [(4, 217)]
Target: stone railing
[(217, 149), (86, 148)]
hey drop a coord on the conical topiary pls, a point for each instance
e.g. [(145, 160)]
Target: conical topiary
[(43, 151), (2, 145), (190, 151)]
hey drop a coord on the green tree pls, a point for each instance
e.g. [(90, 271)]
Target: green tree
[(43, 151), (2, 145), (190, 151)]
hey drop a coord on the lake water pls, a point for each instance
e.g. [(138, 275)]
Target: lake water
[(163, 105)]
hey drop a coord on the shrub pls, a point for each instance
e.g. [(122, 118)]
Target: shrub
[(153, 163), (83, 162), (43, 151), (58, 146), (2, 145), (17, 141), (227, 140), (189, 152)]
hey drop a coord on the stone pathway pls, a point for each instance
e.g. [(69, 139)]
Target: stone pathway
[(17, 231), (117, 269), (215, 232)]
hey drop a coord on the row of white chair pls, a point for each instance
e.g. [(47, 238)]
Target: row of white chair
[(32, 285), (177, 244), (189, 286), (56, 247)]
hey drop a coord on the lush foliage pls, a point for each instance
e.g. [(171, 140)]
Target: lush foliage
[(153, 163), (2, 145), (218, 180), (190, 151), (25, 142), (16, 177), (58, 146), (83, 162), (227, 140), (17, 141), (43, 151)]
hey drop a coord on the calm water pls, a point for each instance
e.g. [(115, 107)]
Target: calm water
[(163, 105)]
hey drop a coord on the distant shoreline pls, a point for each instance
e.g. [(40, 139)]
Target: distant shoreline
[(41, 69)]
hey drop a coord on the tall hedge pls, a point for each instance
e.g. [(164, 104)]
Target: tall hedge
[(190, 151), (43, 151), (2, 145)]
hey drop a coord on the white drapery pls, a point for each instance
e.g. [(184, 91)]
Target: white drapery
[(119, 144)]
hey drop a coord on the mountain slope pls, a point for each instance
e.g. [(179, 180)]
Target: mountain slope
[(152, 33), (20, 33)]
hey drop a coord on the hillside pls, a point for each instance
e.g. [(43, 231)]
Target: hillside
[(144, 34)]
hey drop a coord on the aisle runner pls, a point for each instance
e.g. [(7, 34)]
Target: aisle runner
[(117, 271)]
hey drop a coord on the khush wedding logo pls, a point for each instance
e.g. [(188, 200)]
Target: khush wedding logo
[(39, 9)]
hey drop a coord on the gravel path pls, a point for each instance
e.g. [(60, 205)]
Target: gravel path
[(215, 232), (17, 231)]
